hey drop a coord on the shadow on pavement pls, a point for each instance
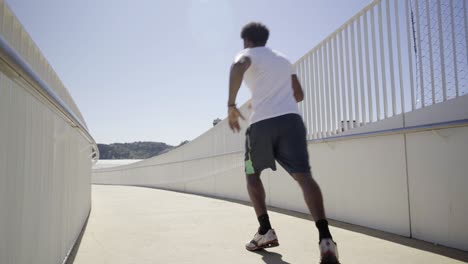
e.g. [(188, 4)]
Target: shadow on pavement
[(271, 257)]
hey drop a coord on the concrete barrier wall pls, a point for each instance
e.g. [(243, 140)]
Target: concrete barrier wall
[(45, 154), (408, 182), (438, 183), (45, 168)]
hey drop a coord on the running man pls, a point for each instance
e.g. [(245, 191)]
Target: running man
[(276, 132)]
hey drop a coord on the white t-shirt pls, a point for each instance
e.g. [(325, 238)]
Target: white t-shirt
[(269, 80)]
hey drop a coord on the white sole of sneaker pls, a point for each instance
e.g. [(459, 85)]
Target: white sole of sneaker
[(270, 244)]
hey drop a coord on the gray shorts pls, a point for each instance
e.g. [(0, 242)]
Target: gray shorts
[(281, 138)]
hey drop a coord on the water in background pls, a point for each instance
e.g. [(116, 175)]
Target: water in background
[(113, 163)]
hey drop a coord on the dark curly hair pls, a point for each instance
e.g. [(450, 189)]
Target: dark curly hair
[(255, 32)]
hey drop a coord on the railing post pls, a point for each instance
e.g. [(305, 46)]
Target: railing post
[(361, 72), (368, 74), (338, 117), (376, 72), (314, 101), (390, 58), (441, 50), (348, 83), (454, 47), (382, 62), (410, 53), (421, 72), (332, 89), (343, 117), (322, 97), (357, 118), (402, 90)]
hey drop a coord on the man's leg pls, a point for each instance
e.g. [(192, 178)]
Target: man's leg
[(291, 152), (257, 196), (314, 200), (256, 193), (266, 236), (312, 194), (259, 155)]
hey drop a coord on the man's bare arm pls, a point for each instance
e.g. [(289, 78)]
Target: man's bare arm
[(297, 89), (235, 78)]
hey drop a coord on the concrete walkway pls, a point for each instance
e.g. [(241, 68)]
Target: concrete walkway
[(143, 225)]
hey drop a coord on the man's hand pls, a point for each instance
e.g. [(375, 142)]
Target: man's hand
[(297, 89), (233, 117)]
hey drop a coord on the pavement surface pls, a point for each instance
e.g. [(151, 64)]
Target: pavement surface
[(143, 225)]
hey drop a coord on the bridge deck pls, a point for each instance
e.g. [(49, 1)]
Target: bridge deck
[(143, 225)]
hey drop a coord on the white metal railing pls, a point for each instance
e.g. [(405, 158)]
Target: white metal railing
[(394, 56)]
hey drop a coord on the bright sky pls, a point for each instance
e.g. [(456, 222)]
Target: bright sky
[(153, 70)]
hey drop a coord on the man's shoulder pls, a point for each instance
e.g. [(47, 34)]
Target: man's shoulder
[(254, 51), (280, 54), (241, 54), (260, 52)]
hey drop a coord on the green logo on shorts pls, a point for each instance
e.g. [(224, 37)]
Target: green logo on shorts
[(249, 169)]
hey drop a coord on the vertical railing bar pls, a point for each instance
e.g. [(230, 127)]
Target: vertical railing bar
[(327, 89), (322, 92), (410, 54), (421, 72), (317, 91), (308, 97), (343, 87), (356, 122), (442, 55), (382, 62), (311, 91), (305, 92), (348, 84), (336, 95), (298, 73), (376, 72), (312, 95), (361, 72), (454, 48), (304, 102), (368, 75), (431, 62), (337, 85), (319, 94), (2, 17), (466, 27), (391, 58), (313, 67), (332, 88), (402, 90)]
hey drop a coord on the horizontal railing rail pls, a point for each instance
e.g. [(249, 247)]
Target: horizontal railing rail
[(14, 60)]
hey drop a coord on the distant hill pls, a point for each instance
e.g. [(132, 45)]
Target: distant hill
[(135, 150)]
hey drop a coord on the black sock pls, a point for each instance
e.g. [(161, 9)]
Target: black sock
[(322, 226), (264, 221)]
